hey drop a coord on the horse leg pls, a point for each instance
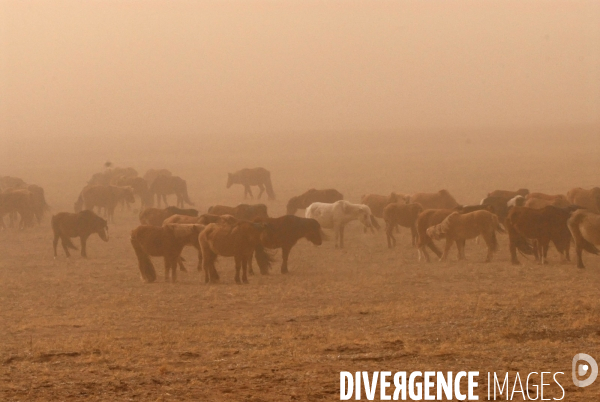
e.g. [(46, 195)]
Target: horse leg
[(179, 262), (488, 243), (261, 187), (166, 259), (449, 242), (238, 266), (199, 260), (64, 244), (578, 251), (285, 254), (513, 251), (389, 229), (423, 253), (173, 265), (83, 240), (250, 270), (244, 268), (164, 196), (544, 245), (414, 235), (55, 244)]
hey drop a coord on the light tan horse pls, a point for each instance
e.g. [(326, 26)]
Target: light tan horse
[(585, 228), (239, 240)]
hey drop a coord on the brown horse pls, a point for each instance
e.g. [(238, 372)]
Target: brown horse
[(285, 231), (242, 211), (82, 224), (260, 177), (38, 201), (543, 226), (426, 219), (239, 240), (401, 214), (507, 194), (140, 188), (152, 174), (303, 200), (165, 185), (204, 219), (157, 216), (21, 201), (166, 241), (107, 197)]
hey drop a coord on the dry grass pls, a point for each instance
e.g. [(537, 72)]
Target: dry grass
[(90, 329)]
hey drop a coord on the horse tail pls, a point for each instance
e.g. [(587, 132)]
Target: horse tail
[(494, 242), (269, 187), (263, 259), (65, 239), (144, 262), (580, 241), (186, 198)]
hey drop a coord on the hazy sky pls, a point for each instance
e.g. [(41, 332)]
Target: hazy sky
[(160, 67)]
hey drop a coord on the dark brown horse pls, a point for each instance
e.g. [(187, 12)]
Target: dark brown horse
[(285, 231), (543, 226), (260, 177), (401, 214), (165, 185), (82, 224), (239, 240), (303, 200), (242, 211), (166, 241), (17, 201)]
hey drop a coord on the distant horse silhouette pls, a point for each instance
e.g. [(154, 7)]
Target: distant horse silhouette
[(165, 185), (157, 216), (239, 240), (82, 224), (166, 241), (303, 200), (252, 177), (242, 211)]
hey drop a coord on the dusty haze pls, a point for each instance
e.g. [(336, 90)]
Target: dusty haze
[(156, 68)]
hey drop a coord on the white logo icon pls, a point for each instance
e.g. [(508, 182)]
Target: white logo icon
[(579, 370)]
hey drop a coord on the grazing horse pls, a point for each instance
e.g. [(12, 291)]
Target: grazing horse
[(303, 200), (140, 188), (589, 199), (157, 216), (107, 197), (285, 231), (585, 228), (542, 226), (400, 214), (440, 200), (239, 240), (81, 224), (457, 228), (242, 211), (166, 241), (425, 220), (165, 185), (335, 216), (260, 177)]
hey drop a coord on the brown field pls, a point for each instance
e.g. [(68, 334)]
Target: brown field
[(92, 330)]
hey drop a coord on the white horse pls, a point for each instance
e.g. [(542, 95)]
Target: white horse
[(336, 215)]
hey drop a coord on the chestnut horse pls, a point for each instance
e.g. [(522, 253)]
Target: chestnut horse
[(242, 211), (238, 240), (260, 177), (166, 241)]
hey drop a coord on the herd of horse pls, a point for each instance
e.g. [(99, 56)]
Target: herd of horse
[(245, 232)]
